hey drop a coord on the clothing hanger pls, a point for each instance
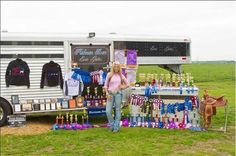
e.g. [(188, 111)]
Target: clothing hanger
[(75, 66), (51, 60), (18, 58)]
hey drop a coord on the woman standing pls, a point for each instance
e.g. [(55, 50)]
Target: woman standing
[(114, 83)]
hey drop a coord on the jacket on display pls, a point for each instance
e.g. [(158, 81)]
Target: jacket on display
[(72, 87), (17, 73), (51, 75)]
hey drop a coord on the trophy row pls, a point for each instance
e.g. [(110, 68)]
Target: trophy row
[(95, 100), (167, 80), (70, 121)]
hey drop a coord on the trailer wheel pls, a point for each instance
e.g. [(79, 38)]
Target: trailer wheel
[(5, 110)]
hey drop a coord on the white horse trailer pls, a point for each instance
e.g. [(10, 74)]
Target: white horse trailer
[(38, 48)]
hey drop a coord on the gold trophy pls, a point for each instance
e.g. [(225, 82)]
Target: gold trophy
[(71, 118), (162, 80), (191, 83), (85, 117), (76, 119), (173, 80), (67, 118), (142, 79), (168, 80)]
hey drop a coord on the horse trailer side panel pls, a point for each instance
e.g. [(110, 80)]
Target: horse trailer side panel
[(35, 57)]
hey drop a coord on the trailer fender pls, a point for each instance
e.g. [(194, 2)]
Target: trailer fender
[(5, 110)]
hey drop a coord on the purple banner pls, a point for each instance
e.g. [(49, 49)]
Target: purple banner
[(131, 57)]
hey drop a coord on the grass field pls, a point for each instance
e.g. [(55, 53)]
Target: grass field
[(217, 78)]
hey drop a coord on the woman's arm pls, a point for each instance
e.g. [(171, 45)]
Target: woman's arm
[(106, 85), (125, 83)]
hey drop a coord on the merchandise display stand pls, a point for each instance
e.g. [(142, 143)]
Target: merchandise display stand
[(173, 91), (57, 110), (162, 108)]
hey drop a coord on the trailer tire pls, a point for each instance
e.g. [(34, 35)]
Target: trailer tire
[(5, 110)]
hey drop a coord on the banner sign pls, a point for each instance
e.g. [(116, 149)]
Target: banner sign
[(90, 55)]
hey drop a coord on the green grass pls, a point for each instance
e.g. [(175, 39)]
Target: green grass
[(200, 72), (142, 141)]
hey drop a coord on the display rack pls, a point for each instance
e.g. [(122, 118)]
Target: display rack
[(173, 91), (46, 111)]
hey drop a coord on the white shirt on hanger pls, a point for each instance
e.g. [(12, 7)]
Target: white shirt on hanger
[(72, 87)]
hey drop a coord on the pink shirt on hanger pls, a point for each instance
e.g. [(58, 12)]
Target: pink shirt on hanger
[(115, 82)]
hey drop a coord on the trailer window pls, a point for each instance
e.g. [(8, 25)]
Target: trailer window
[(31, 43), (31, 55), (155, 48)]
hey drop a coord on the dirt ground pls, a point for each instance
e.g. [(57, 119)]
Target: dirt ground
[(33, 126)]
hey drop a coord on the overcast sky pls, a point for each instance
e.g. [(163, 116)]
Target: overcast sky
[(210, 25)]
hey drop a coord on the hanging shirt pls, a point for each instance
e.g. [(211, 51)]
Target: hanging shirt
[(17, 73), (72, 87), (97, 77), (51, 75)]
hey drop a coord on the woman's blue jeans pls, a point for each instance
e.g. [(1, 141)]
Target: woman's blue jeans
[(116, 102)]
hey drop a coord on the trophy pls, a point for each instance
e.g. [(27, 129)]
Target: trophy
[(67, 118), (60, 120), (191, 81), (161, 80), (57, 120), (95, 91), (100, 101), (85, 117), (104, 92), (178, 80), (88, 90), (88, 97), (168, 80), (182, 79), (165, 120), (173, 80), (142, 79), (71, 118)]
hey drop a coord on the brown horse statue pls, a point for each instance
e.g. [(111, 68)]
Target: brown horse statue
[(208, 107)]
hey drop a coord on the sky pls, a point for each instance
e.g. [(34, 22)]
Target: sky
[(211, 25)]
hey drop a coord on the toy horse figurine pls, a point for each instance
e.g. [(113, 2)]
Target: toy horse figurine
[(208, 107)]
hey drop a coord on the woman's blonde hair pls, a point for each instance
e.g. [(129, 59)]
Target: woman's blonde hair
[(112, 72)]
